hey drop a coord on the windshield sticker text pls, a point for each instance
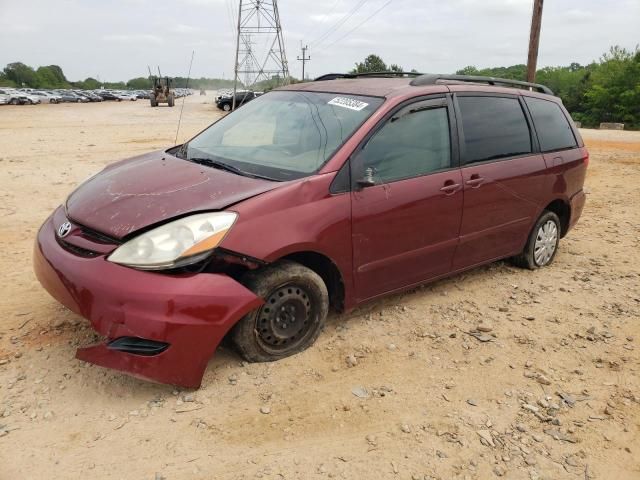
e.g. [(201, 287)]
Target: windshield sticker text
[(350, 103)]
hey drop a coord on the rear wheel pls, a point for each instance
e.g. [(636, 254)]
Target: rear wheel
[(13, 101), (171, 100), (542, 244), (292, 317), (152, 99)]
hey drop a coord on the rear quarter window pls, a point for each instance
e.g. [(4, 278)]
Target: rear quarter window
[(553, 128), (493, 128)]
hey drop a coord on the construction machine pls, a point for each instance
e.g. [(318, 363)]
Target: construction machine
[(162, 91)]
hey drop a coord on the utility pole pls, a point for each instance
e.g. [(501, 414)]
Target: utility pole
[(534, 40), (304, 58)]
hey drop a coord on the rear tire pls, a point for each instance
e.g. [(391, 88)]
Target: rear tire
[(171, 100), (152, 99), (14, 101), (292, 317), (542, 244)]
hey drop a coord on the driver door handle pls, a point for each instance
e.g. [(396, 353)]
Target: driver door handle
[(450, 188), (475, 181)]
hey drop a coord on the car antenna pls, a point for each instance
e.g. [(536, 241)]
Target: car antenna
[(184, 97)]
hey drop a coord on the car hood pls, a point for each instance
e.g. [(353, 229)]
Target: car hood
[(152, 188)]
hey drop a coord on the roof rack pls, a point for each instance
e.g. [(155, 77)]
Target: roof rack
[(334, 76), (432, 79)]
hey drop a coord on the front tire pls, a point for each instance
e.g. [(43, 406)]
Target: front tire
[(542, 244), (226, 107), (292, 317)]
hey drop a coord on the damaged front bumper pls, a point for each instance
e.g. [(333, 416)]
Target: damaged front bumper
[(158, 327)]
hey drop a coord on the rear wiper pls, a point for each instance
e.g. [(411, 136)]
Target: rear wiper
[(219, 165)]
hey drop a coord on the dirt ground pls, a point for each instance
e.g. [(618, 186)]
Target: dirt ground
[(553, 394)]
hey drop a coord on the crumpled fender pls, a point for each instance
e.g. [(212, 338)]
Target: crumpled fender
[(190, 312)]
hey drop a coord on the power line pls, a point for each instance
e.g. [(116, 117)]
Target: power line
[(360, 24), (329, 12), (338, 24)]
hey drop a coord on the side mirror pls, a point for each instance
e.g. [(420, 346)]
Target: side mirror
[(367, 180)]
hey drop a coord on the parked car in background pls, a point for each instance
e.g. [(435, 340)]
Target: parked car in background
[(14, 97), (85, 95), (106, 95), (32, 99), (4, 99), (47, 97), (225, 100), (126, 96)]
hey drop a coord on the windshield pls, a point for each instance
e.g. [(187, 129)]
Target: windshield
[(283, 135)]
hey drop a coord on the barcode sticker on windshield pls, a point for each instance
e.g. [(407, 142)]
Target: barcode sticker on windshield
[(350, 103)]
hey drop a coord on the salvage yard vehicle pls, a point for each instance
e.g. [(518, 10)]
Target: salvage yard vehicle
[(14, 97), (225, 100), (47, 97), (314, 195), (162, 92)]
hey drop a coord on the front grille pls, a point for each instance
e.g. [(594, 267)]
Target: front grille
[(97, 237), (81, 252)]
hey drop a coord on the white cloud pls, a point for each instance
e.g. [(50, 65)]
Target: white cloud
[(133, 38), (184, 29), (578, 15), (429, 35)]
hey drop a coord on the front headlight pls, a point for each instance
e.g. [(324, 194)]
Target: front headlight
[(175, 244)]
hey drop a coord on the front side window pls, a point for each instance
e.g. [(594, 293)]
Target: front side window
[(494, 128), (554, 131), (412, 143), (282, 135)]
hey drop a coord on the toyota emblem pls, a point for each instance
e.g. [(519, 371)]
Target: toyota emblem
[(64, 229)]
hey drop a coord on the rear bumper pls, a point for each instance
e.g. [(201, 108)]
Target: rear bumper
[(577, 205), (191, 313)]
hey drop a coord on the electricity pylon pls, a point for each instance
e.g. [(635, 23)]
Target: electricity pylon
[(259, 22)]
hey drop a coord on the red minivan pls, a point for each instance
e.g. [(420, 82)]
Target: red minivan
[(328, 193)]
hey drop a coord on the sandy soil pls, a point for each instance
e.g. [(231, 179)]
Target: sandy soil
[(554, 394)]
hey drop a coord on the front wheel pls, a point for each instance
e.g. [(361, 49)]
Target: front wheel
[(226, 107), (292, 317), (542, 244)]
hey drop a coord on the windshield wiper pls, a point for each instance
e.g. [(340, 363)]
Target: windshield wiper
[(210, 162)]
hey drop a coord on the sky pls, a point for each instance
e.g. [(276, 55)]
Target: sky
[(116, 39)]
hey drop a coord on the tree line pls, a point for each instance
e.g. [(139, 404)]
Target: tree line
[(607, 90), (19, 75)]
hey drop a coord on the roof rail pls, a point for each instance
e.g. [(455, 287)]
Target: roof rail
[(432, 79), (334, 76)]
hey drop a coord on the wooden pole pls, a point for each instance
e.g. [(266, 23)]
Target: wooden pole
[(534, 40)]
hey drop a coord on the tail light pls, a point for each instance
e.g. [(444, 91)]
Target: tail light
[(586, 158)]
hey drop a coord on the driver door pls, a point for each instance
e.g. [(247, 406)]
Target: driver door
[(407, 201)]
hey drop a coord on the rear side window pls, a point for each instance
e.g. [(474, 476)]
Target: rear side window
[(554, 131), (494, 128)]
